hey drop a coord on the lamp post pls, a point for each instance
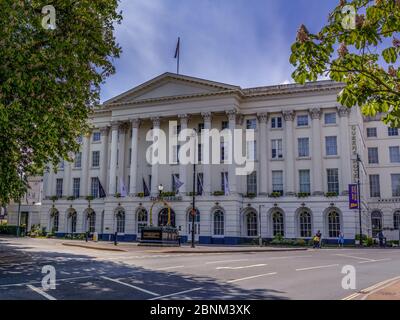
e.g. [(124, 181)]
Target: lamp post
[(194, 211)]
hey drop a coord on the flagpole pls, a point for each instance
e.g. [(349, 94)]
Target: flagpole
[(179, 53)]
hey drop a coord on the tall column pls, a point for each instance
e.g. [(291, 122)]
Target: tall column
[(207, 165), (121, 155), (134, 157), (113, 161), (345, 148), (289, 158), (232, 167), (103, 156), (85, 165), (315, 114), (183, 176), (262, 142), (67, 179), (154, 167)]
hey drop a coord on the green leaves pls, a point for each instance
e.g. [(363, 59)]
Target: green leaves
[(363, 62), (49, 82)]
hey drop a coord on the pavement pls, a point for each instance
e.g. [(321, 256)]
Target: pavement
[(142, 273)]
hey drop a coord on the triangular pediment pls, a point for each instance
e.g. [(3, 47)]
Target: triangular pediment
[(171, 85)]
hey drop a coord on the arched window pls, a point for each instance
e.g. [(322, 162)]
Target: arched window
[(163, 217), (73, 222), (376, 222), (141, 220), (278, 225), (218, 223), (333, 224), (251, 222), (91, 221), (120, 217), (396, 220), (305, 224), (55, 219)]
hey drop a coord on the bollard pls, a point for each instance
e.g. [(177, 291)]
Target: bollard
[(115, 239), (86, 236)]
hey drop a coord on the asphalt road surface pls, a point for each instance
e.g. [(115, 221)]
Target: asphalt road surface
[(87, 274)]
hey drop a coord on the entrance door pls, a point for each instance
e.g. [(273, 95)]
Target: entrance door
[(25, 219), (196, 227), (376, 221)]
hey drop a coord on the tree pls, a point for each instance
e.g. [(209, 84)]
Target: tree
[(360, 47), (50, 74)]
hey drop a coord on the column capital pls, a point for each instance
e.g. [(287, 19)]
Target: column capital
[(183, 118), (343, 111), (263, 117), (288, 115), (156, 121), (315, 113), (231, 114), (123, 127), (115, 125), (104, 130), (135, 123), (207, 116), (239, 119)]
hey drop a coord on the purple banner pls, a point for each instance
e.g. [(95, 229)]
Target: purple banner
[(353, 196)]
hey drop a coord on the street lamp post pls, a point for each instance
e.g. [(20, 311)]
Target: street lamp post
[(259, 222), (194, 211)]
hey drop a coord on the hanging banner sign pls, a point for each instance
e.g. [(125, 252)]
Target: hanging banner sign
[(353, 196)]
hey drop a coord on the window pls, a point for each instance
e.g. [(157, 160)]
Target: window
[(251, 124), (76, 187), (200, 183), (120, 216), (396, 220), (251, 150), (376, 222), (395, 185), (95, 159), (305, 224), (278, 226), (61, 165), (56, 219), (78, 160), (59, 188), (96, 136), (199, 152), (73, 222), (303, 147), (330, 118), (393, 132), (79, 139), (373, 155), (130, 156), (218, 223), (224, 125), (333, 224), (277, 152), (304, 177), (91, 221), (224, 179), (141, 220), (374, 185), (333, 180), (302, 120), (277, 181), (372, 133), (394, 153), (252, 183), (251, 222), (331, 146), (276, 122), (94, 187)]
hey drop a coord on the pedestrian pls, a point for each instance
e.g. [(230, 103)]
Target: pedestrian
[(316, 242), (319, 235), (341, 239), (381, 238)]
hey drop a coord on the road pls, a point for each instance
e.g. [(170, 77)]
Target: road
[(91, 274)]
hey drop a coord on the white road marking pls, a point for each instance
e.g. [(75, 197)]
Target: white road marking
[(169, 268), (354, 257), (243, 267), (226, 261), (41, 292), (175, 294), (39, 282), (288, 257), (130, 286), (318, 267), (372, 289), (378, 260), (252, 277)]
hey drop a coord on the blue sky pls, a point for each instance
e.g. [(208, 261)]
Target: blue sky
[(240, 42)]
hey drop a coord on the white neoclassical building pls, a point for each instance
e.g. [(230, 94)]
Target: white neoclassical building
[(305, 158)]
